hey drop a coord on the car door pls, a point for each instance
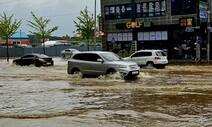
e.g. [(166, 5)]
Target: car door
[(139, 58), (27, 60), (93, 66)]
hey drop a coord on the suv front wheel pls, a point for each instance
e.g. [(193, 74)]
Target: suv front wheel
[(110, 72), (75, 71)]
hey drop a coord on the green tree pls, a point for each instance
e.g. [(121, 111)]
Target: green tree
[(8, 28), (40, 27), (85, 25)]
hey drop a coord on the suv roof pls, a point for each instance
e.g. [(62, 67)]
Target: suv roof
[(96, 52), (149, 50)]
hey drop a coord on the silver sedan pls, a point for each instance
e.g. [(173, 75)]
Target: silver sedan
[(66, 53)]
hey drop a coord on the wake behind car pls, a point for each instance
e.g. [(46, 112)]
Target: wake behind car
[(101, 63), (35, 59), (154, 58)]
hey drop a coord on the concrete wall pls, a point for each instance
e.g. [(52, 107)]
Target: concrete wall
[(50, 51)]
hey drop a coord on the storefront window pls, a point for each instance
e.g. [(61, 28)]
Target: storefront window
[(181, 7)]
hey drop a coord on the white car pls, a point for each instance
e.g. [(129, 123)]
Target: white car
[(154, 58), (66, 53)]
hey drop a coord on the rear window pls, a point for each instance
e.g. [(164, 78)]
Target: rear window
[(67, 50), (43, 56), (160, 54), (142, 54)]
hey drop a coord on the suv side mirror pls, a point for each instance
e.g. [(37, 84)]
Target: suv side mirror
[(100, 60)]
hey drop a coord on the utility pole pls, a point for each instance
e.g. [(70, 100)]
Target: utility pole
[(134, 36), (208, 34), (205, 13), (197, 43), (95, 26)]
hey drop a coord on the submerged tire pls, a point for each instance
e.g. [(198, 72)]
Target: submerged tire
[(75, 71), (37, 64), (149, 64), (15, 63), (63, 56), (110, 72)]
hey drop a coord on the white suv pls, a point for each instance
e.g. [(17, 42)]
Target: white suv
[(155, 58), (101, 63)]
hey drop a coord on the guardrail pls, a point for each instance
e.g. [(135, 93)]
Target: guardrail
[(50, 51)]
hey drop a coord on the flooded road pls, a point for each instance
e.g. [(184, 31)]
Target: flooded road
[(48, 97)]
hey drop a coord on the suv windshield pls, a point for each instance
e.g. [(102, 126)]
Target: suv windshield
[(110, 56)]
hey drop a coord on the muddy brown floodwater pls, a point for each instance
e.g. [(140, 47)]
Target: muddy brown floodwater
[(177, 96)]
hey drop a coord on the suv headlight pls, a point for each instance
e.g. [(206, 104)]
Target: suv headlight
[(122, 66)]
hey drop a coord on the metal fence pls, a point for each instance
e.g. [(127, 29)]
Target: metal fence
[(50, 51)]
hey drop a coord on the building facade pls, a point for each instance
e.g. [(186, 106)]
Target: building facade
[(179, 27), (19, 38)]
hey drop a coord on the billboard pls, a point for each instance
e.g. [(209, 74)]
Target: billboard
[(151, 9), (144, 9)]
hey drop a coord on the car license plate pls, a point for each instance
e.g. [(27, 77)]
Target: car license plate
[(135, 72)]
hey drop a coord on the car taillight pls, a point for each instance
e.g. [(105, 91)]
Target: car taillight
[(157, 58)]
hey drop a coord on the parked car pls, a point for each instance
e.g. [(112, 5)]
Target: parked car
[(153, 58), (66, 53), (101, 63), (34, 59)]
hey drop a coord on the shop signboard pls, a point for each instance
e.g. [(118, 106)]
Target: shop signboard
[(157, 9), (199, 40), (186, 21), (151, 9), (189, 29), (203, 15), (144, 9), (203, 6)]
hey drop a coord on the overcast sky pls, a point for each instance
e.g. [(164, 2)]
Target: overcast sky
[(61, 12)]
